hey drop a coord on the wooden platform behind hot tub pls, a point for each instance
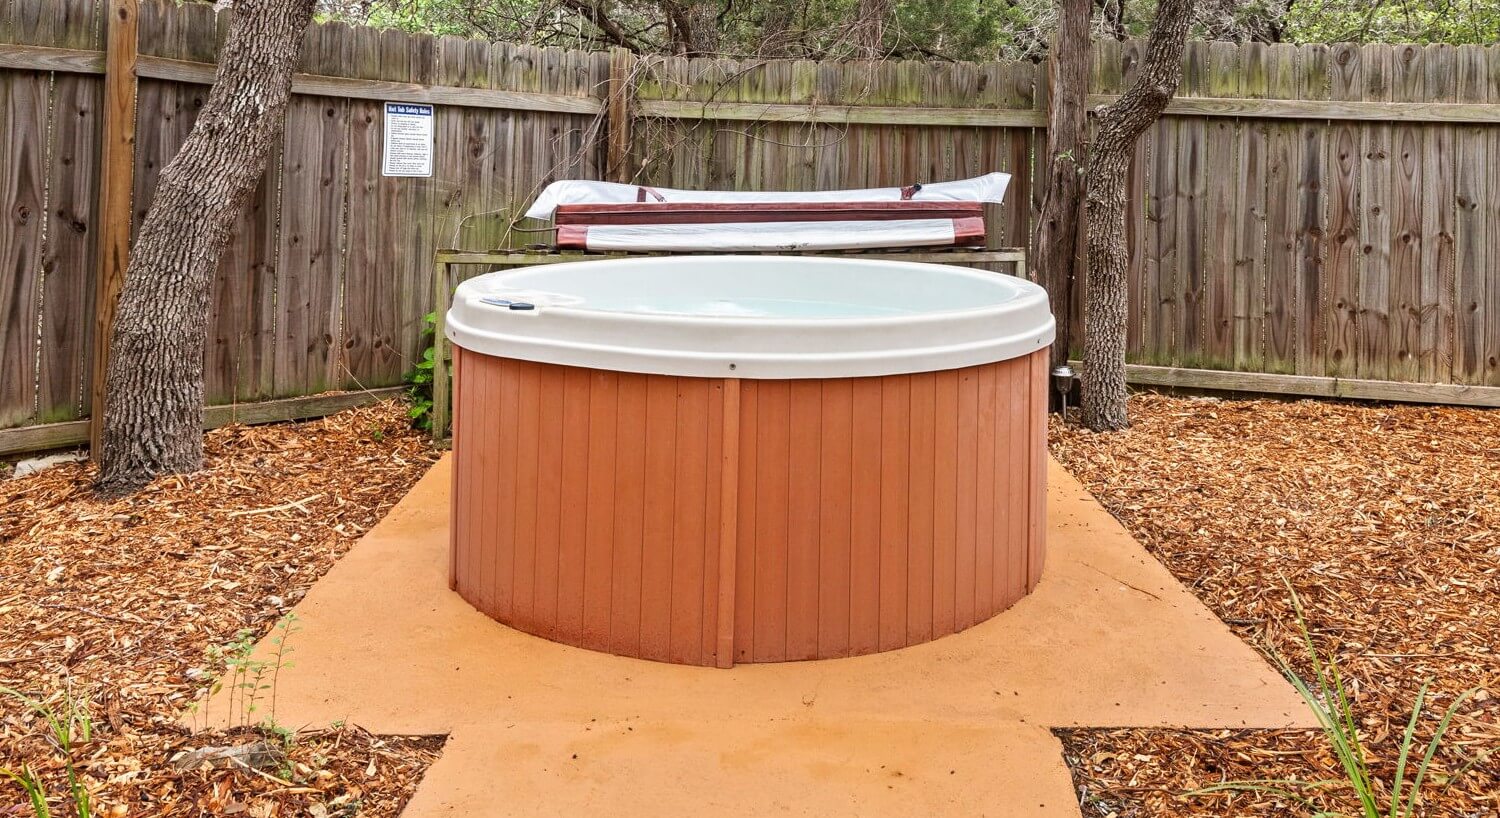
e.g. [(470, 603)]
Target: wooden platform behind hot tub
[(713, 521)]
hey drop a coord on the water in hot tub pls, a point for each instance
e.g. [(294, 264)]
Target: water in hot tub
[(748, 307)]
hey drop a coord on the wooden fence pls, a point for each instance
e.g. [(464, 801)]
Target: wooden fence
[(1317, 211)]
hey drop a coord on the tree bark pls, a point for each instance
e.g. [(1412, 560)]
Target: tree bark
[(153, 414), (868, 34), (694, 27), (1062, 198), (1119, 125)]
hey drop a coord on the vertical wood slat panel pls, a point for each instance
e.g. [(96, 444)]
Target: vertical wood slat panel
[(526, 451), (549, 507), (23, 174), (1191, 186), (804, 490), (716, 451), (310, 267), (572, 545), (629, 508), (895, 455), (1490, 328), (462, 548), (370, 350), (746, 543), (507, 443), (1312, 224), (1473, 200), (1016, 425), (746, 521), (728, 523), (1436, 265), (1343, 259), (984, 525), (459, 503), (945, 502), (1409, 197), (773, 450), (1375, 350), (1160, 307), (835, 529), (966, 505), (690, 518), (1219, 262), (1283, 159), (657, 536), (70, 259), (1036, 520), (922, 482), (486, 483), (1250, 211), (599, 508), (865, 523)]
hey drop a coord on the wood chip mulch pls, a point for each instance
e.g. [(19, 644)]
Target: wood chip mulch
[(1386, 521), (118, 604)]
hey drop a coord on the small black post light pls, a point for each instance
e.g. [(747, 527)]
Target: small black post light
[(1062, 381)]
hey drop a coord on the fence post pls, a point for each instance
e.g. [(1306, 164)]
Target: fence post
[(117, 161), (441, 381), (618, 114)]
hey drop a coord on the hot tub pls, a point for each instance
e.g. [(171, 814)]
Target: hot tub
[(720, 459)]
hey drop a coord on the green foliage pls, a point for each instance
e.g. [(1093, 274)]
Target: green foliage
[(1328, 698), (420, 378), (67, 729), (1407, 21), (916, 29), (250, 681)]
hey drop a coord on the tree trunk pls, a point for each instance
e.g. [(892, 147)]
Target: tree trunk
[(153, 412), (694, 27), (1119, 125), (1062, 198), (868, 33)]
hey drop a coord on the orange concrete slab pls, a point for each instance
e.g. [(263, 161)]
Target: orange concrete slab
[(796, 767), (1109, 638)]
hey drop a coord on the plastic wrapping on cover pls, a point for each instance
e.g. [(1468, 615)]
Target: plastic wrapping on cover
[(987, 188), (764, 236)]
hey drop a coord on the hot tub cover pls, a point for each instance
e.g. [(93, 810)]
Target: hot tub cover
[(751, 316), (987, 188)]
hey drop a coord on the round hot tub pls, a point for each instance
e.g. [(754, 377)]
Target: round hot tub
[(720, 459)]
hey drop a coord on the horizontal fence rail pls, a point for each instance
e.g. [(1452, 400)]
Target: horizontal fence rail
[(1317, 212)]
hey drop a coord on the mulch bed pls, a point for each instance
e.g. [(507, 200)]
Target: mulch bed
[(1386, 521), (118, 604)]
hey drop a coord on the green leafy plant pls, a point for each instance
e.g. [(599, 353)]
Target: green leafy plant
[(66, 730), (420, 378), (252, 681), (1328, 698)]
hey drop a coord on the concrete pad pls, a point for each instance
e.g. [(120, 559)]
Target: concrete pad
[(795, 767), (1109, 638)]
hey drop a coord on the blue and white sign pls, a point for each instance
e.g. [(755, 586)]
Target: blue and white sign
[(408, 140)]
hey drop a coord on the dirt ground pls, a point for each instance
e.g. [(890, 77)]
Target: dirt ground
[(125, 607), (1386, 521)]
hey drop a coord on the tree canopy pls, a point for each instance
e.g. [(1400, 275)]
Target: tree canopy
[(908, 29)]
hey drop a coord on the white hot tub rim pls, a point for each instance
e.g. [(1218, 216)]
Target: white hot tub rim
[(561, 327)]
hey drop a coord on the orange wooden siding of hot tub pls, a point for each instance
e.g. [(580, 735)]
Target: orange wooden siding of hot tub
[(712, 521)]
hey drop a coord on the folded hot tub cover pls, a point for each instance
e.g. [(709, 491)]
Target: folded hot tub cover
[(987, 188), (609, 216)]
